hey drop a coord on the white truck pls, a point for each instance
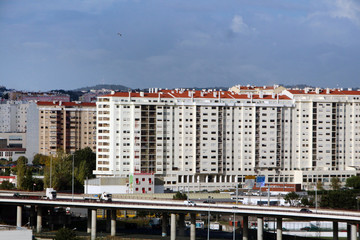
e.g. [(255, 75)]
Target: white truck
[(50, 193), (104, 197)]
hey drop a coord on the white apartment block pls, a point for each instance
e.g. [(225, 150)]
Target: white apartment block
[(13, 116), (211, 140)]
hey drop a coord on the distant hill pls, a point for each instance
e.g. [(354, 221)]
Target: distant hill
[(104, 86)]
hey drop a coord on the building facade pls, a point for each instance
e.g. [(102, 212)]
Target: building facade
[(211, 140), (13, 116), (68, 126)]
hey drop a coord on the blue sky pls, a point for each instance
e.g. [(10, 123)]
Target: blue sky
[(69, 44)]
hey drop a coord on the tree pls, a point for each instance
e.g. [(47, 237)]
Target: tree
[(335, 183), (292, 198), (319, 186), (353, 182), (21, 171), (6, 185), (339, 199), (40, 159), (65, 234), (180, 196)]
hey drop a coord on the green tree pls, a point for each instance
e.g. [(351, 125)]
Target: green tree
[(21, 171), (335, 183), (40, 159), (292, 198), (180, 196), (319, 186), (62, 170), (339, 199), (6, 185), (85, 160), (353, 182), (65, 234), (28, 181)]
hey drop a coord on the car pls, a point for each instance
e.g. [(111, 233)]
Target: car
[(189, 203), (305, 210), (209, 201)]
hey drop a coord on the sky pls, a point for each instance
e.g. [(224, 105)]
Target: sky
[(46, 45)]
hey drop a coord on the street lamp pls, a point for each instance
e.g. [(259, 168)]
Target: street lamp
[(72, 188), (208, 233), (50, 169)]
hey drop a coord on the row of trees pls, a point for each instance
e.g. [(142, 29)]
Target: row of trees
[(334, 198), (60, 167)]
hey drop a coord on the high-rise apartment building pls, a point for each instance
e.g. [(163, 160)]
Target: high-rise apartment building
[(69, 126), (211, 140), (13, 116)]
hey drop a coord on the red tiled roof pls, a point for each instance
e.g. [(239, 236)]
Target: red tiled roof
[(194, 94), (12, 149), (324, 92), (67, 104)]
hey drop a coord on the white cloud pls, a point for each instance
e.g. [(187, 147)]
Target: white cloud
[(238, 25), (338, 9), (347, 9)]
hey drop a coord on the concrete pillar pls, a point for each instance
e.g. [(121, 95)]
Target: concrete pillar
[(113, 222), (18, 216), (260, 228), (192, 226), (164, 224), (173, 227), (279, 228), (353, 231), (181, 224), (32, 217), (93, 224), (125, 213), (108, 220), (335, 230), (245, 227), (39, 219), (89, 221)]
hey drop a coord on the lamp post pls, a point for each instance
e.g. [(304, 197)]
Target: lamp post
[(72, 188), (50, 169), (208, 233)]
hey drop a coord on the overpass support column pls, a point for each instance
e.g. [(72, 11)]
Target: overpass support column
[(260, 228), (113, 222), (245, 227), (353, 231), (279, 228), (173, 227), (18, 216), (192, 226), (89, 221), (93, 224), (164, 224), (39, 219), (108, 220), (335, 230), (181, 224)]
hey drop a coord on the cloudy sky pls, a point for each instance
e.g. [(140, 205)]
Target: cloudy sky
[(69, 44)]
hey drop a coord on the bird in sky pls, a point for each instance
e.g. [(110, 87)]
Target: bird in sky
[(119, 34)]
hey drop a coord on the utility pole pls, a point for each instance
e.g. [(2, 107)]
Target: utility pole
[(72, 189), (50, 169)]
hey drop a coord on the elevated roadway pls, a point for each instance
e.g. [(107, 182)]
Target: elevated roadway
[(173, 207)]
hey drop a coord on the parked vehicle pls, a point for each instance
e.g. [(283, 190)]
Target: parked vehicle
[(189, 203)]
